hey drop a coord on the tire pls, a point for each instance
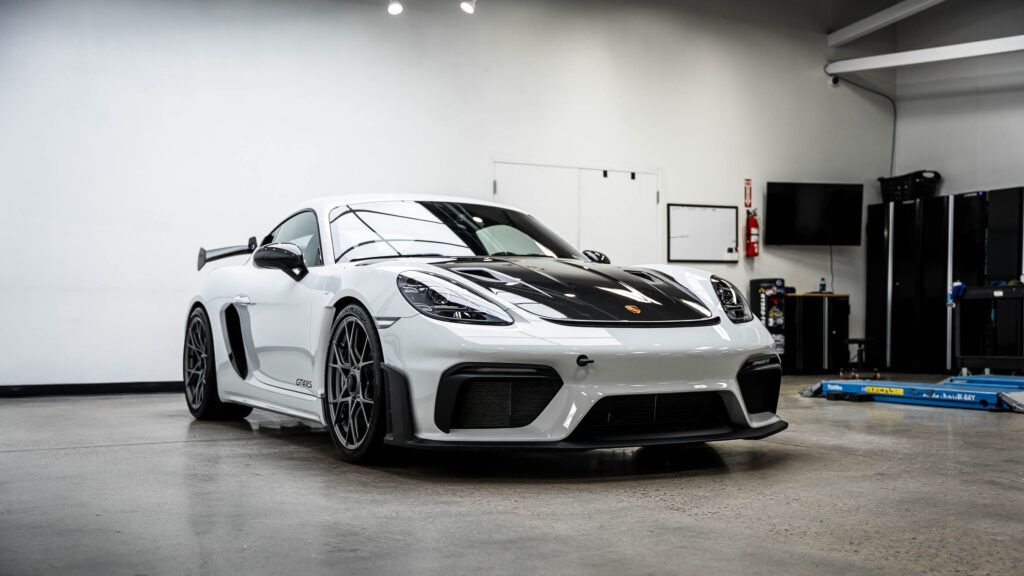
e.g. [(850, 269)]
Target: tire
[(354, 398), (199, 371)]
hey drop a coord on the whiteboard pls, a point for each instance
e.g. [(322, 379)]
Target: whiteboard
[(700, 233)]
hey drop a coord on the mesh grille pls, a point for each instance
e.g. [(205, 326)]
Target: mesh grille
[(528, 400), (617, 416), (489, 401), (483, 405)]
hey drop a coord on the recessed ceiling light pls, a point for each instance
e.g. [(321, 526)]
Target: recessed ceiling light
[(468, 6), (395, 7)]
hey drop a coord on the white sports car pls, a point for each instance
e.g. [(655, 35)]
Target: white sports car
[(432, 322)]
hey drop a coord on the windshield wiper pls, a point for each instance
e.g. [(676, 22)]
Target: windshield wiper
[(387, 256), (436, 255), (520, 255)]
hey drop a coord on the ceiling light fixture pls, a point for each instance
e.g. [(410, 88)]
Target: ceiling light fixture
[(395, 7), (468, 6)]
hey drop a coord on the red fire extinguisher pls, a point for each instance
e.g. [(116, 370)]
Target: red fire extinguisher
[(753, 234)]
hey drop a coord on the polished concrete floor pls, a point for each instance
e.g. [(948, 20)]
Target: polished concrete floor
[(132, 485)]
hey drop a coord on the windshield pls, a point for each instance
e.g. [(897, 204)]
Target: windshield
[(408, 228)]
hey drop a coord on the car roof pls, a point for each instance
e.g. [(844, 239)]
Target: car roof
[(325, 204)]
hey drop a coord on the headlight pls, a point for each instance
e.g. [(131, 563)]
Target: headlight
[(732, 300), (443, 299)]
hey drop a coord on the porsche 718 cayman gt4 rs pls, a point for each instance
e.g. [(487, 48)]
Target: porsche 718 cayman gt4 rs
[(453, 323)]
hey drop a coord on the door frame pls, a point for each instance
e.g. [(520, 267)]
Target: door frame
[(662, 226)]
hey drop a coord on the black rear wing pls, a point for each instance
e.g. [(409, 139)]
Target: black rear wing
[(218, 253)]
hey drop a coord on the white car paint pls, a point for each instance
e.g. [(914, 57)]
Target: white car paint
[(289, 325)]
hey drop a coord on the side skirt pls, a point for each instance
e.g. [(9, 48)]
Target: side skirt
[(254, 393)]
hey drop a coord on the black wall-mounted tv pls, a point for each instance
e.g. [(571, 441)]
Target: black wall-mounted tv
[(813, 214)]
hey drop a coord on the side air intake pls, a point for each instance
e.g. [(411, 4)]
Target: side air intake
[(236, 344)]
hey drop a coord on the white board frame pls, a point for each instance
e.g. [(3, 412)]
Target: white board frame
[(711, 255)]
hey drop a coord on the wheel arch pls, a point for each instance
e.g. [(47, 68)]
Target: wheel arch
[(323, 341), (344, 301), (196, 303)]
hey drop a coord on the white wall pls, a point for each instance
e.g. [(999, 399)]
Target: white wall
[(965, 118), (135, 131)]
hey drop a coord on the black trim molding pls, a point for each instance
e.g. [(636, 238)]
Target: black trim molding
[(23, 390), (713, 321)]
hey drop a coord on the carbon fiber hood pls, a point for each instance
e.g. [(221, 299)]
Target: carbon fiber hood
[(573, 292)]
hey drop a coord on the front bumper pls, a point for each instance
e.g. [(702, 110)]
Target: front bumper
[(400, 431), (628, 361)]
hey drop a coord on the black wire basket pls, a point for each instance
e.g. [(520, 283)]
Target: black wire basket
[(920, 184)]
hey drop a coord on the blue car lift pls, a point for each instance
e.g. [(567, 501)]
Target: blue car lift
[(987, 392), (996, 393)]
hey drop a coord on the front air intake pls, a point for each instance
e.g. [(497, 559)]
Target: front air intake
[(646, 415), (493, 395), (760, 379)]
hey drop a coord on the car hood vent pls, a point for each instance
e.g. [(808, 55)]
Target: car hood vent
[(572, 292), (646, 276)]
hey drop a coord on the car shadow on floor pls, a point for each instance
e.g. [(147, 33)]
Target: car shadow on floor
[(623, 463)]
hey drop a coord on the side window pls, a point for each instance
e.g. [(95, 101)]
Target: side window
[(302, 231)]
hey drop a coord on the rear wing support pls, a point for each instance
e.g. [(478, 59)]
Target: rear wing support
[(218, 253)]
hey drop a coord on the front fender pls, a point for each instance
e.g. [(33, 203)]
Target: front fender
[(374, 287)]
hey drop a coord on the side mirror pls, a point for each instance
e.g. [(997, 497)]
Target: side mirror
[(284, 257), (595, 256)]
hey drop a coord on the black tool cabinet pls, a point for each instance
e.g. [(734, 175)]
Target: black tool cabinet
[(915, 250), (817, 327)]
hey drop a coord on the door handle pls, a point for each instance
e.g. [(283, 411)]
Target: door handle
[(242, 299)]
